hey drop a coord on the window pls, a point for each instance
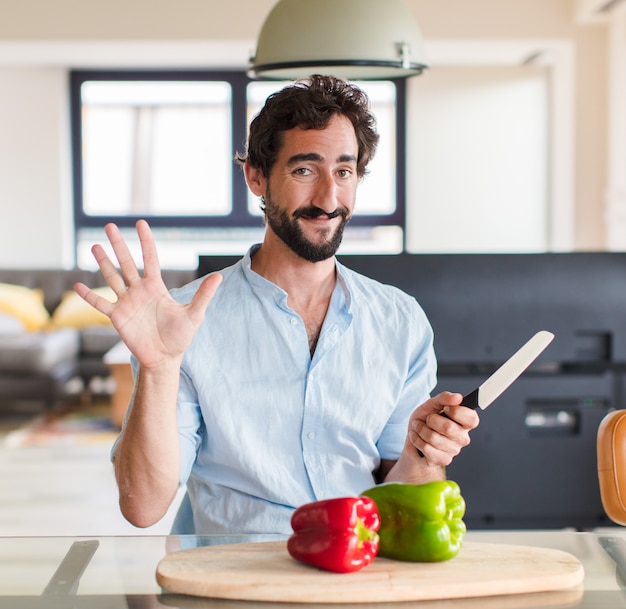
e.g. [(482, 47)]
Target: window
[(147, 147), (160, 146)]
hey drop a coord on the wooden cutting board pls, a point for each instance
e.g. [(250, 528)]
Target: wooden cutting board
[(264, 571)]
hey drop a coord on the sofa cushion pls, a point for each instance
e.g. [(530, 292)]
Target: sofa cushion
[(97, 340), (38, 352), (25, 304), (74, 312), (10, 325)]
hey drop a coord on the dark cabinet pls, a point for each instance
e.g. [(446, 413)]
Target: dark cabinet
[(532, 462)]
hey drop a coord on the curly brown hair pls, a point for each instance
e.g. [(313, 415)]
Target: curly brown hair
[(309, 104)]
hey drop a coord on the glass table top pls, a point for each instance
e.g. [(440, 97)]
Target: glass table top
[(119, 572)]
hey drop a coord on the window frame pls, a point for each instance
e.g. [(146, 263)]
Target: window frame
[(239, 217)]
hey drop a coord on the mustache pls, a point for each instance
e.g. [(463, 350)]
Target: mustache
[(315, 212)]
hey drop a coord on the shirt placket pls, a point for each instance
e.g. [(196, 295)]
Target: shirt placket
[(314, 435)]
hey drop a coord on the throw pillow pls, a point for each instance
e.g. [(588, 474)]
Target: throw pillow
[(25, 304), (74, 312)]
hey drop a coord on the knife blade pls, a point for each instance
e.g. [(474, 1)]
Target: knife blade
[(505, 375)]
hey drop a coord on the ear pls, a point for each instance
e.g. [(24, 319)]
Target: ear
[(255, 179)]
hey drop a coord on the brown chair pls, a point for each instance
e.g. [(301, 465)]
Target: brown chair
[(611, 451)]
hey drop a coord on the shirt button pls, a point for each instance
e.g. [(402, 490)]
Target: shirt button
[(293, 321), (310, 435)]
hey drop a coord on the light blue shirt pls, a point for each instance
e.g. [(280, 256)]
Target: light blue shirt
[(264, 427)]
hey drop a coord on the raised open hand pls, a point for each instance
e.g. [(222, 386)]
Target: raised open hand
[(153, 325)]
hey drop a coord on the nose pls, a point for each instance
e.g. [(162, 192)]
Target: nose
[(326, 193)]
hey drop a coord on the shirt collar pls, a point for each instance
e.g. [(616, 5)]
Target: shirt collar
[(343, 278)]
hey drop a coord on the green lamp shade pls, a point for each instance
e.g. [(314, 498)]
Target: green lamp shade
[(351, 39)]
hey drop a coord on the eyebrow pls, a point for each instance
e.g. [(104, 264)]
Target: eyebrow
[(313, 156)]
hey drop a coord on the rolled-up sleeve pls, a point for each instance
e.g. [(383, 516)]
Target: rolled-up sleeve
[(420, 381), (189, 419)]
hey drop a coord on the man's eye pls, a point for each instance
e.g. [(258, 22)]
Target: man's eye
[(302, 171), (344, 173)]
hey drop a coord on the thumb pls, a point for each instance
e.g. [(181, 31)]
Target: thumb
[(203, 296)]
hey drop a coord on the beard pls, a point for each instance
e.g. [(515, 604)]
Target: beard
[(288, 230)]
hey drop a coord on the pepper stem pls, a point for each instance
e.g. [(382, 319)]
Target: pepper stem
[(364, 533)]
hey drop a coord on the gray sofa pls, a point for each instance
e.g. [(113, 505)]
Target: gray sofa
[(37, 365)]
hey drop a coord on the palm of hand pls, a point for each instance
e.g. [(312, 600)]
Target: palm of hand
[(151, 323)]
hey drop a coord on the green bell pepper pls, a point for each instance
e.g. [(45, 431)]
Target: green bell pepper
[(419, 522)]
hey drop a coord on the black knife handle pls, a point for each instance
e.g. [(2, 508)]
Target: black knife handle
[(471, 399)]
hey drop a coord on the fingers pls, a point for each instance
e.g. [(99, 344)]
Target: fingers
[(446, 398), (98, 302), (108, 270), (441, 438), (122, 253), (449, 405), (119, 279), (466, 417), (203, 297), (129, 276), (151, 264), (438, 437)]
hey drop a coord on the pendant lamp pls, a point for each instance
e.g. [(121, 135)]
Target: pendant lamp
[(351, 39)]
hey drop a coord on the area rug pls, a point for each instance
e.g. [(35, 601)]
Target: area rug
[(79, 427)]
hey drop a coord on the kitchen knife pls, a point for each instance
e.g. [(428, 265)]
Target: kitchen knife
[(506, 374)]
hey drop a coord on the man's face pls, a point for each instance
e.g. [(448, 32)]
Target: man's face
[(310, 194)]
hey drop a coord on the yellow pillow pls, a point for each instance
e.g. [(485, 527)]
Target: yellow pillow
[(74, 312), (25, 304)]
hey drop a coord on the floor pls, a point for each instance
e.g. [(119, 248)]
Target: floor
[(61, 490)]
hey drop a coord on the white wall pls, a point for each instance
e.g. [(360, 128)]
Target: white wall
[(477, 172), (35, 194)]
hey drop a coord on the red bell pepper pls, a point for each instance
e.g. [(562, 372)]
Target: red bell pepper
[(336, 534)]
